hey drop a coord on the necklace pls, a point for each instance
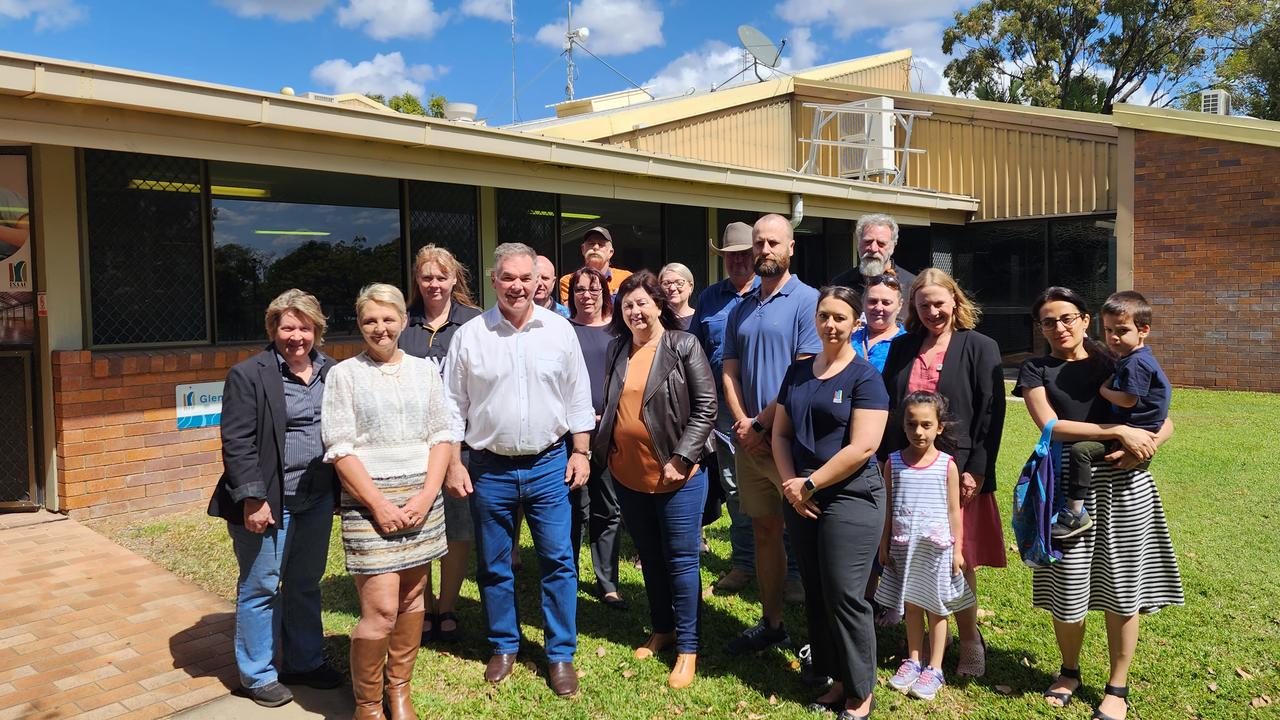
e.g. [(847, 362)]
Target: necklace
[(382, 366)]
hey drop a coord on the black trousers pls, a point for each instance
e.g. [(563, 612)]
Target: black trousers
[(595, 508), (835, 554)]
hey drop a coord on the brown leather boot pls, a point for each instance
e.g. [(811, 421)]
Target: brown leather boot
[(402, 651), (682, 674), (368, 659)]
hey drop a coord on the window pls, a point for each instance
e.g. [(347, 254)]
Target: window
[(446, 215), (636, 228), (686, 242), (274, 228), (528, 217), (145, 243)]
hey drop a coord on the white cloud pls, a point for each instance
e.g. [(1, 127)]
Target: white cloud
[(699, 69), (487, 9), (287, 10), (385, 74), (618, 27), (386, 19), (924, 39), (48, 14), (847, 17), (801, 51)]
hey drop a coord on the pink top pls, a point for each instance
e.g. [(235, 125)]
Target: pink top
[(925, 372)]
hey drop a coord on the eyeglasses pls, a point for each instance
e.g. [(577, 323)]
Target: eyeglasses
[(889, 280), (1067, 321), (669, 284), (586, 291)]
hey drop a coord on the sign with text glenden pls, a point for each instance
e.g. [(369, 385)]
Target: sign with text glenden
[(199, 405)]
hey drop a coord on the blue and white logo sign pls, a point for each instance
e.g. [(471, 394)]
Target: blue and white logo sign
[(199, 405)]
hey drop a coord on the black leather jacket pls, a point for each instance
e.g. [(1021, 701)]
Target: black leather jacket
[(679, 398)]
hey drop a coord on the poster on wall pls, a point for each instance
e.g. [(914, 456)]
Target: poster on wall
[(198, 404), (17, 288)]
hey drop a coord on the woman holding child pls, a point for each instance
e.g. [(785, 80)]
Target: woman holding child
[(942, 353), (1124, 563)]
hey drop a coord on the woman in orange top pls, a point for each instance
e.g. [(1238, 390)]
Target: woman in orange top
[(659, 410)]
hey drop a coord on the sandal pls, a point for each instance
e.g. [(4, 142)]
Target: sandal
[(447, 636), (1120, 692), (430, 622), (847, 714), (1064, 697), (973, 661)]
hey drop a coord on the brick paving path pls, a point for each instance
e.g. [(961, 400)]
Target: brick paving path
[(90, 630)]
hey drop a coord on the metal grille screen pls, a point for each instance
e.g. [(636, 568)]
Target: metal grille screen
[(447, 215), (15, 450), (529, 217), (1080, 258), (146, 251)]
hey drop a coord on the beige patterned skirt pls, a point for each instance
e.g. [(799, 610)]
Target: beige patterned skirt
[(371, 552)]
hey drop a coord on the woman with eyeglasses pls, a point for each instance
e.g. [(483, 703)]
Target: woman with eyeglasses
[(881, 303), (1125, 564), (596, 503), (941, 352), (676, 281)]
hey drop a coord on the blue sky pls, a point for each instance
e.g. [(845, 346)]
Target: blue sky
[(462, 48)]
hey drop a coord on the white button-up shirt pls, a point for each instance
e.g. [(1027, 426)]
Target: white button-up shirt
[(516, 392)]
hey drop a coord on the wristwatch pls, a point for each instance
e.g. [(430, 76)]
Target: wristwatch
[(809, 487), (755, 425), (584, 453)]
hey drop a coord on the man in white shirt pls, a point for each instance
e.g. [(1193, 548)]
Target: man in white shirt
[(518, 383)]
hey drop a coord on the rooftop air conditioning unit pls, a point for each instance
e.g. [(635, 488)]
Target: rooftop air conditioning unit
[(1215, 102), (321, 97), (871, 132)]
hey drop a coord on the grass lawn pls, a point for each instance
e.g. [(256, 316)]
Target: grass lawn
[(1220, 481)]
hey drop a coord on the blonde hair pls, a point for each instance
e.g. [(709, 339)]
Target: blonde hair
[(384, 294), (431, 253), (679, 269), (967, 312), (296, 301)]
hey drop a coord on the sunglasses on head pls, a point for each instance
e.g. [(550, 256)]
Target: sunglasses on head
[(886, 279)]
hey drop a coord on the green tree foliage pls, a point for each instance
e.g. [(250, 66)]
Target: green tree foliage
[(1088, 54), (1251, 71), (409, 104)]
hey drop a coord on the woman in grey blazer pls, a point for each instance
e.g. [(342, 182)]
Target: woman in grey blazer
[(277, 497)]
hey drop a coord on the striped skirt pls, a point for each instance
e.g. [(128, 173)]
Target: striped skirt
[(371, 552), (1124, 564)]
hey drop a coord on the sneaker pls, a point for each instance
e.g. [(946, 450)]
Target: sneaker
[(906, 676), (793, 592), (926, 687), (273, 694), (733, 582), (758, 637), (1069, 524), (322, 678)]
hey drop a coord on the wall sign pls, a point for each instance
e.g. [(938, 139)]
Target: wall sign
[(198, 404)]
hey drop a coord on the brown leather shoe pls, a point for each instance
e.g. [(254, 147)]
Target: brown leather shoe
[(402, 652), (657, 642), (682, 674), (499, 667), (563, 678)]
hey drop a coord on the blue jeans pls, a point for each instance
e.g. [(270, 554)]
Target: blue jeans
[(667, 530), (278, 592), (536, 485)]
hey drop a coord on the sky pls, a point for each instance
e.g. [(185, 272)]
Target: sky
[(462, 49)]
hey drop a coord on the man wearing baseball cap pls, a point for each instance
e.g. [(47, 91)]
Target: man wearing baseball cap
[(714, 305), (597, 251)]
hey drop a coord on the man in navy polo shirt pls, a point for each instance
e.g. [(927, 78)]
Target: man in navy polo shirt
[(772, 327)]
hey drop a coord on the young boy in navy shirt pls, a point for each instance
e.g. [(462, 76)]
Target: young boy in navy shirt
[(1139, 393)]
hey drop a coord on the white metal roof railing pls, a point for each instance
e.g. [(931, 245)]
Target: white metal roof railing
[(889, 173)]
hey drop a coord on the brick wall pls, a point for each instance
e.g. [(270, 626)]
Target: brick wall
[(1206, 253), (118, 447)]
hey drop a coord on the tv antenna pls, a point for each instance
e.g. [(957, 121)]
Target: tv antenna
[(762, 52), (577, 37)]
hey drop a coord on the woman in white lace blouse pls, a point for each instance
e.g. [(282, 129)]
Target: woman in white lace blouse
[(386, 430)]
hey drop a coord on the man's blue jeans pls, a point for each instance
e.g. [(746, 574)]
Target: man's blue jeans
[(536, 485), (667, 530), (278, 592)]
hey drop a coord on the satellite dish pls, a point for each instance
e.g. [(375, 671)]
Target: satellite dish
[(759, 45)]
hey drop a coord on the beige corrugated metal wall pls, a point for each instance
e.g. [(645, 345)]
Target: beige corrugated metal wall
[(892, 76), (757, 135), (1015, 171)]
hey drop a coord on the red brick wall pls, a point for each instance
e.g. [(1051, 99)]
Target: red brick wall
[(118, 447), (1206, 253)]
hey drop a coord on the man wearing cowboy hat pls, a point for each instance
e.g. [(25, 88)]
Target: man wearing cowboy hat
[(597, 251), (714, 305)]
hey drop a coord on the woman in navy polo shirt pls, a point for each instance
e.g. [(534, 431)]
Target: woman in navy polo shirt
[(831, 415)]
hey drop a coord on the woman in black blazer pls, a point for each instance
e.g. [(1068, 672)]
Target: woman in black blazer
[(277, 497), (941, 352)]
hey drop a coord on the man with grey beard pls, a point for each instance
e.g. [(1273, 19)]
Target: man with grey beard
[(877, 236)]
